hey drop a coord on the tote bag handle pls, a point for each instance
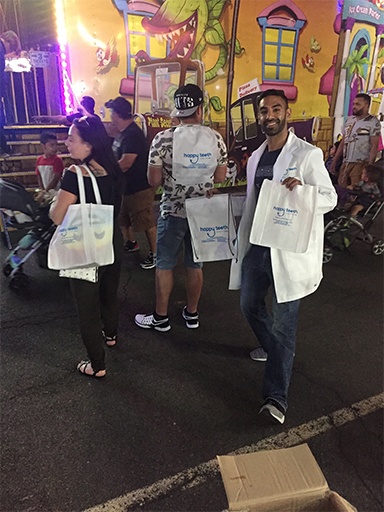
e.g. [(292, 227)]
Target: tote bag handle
[(83, 204), (80, 181)]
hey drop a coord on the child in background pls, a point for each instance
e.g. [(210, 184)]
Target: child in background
[(367, 190), (49, 166)]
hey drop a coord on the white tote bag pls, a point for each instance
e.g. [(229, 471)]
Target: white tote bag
[(212, 227), (284, 218), (195, 154), (84, 238)]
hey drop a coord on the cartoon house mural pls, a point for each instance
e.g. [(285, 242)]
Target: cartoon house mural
[(175, 29), (140, 44), (320, 57), (285, 47), (360, 58)]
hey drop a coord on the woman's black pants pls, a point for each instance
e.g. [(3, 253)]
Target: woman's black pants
[(98, 306)]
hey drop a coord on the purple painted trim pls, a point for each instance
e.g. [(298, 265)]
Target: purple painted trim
[(349, 23), (284, 4), (290, 90), (326, 81), (127, 86)]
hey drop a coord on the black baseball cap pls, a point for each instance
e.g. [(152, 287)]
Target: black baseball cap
[(187, 100), (121, 106)]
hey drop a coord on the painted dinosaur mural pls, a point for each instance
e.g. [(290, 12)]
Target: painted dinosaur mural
[(189, 26)]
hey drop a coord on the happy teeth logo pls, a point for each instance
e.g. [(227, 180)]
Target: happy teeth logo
[(69, 235), (215, 233), (284, 216), (198, 159)]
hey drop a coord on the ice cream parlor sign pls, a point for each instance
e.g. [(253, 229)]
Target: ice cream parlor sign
[(370, 11)]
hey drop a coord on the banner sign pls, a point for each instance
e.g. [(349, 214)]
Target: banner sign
[(369, 11), (39, 59), (248, 88)]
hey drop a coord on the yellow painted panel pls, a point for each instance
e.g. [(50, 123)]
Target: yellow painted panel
[(157, 50), (134, 23), (271, 35), (286, 55), (285, 73), (270, 72), (288, 36), (137, 43), (270, 53)]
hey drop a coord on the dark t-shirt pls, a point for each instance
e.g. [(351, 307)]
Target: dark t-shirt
[(132, 141), (108, 190), (264, 169)]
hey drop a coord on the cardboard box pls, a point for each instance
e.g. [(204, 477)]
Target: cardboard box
[(288, 480)]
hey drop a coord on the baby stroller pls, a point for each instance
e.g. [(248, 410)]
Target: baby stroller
[(20, 211), (342, 230)]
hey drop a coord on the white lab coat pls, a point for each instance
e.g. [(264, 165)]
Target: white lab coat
[(295, 275)]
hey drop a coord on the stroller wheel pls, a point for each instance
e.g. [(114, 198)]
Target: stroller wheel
[(378, 247), (327, 255), (18, 282), (7, 269)]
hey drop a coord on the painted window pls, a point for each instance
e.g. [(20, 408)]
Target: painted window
[(357, 70), (281, 23), (279, 53), (244, 122), (250, 122), (140, 40)]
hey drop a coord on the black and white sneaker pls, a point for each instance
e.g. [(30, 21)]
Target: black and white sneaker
[(150, 322), (191, 319), (272, 409), (149, 262)]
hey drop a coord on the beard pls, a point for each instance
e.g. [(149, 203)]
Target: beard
[(274, 129), (357, 112)]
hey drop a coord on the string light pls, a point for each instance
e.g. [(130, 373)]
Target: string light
[(63, 57)]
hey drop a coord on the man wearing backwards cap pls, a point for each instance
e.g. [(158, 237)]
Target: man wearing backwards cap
[(130, 148), (166, 167)]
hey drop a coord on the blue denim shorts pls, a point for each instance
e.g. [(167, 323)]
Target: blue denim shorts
[(172, 234)]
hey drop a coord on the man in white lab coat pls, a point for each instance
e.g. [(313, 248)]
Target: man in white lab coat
[(284, 158)]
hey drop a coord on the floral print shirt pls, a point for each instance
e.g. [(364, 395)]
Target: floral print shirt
[(174, 193)]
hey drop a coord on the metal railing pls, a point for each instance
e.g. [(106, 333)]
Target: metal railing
[(32, 93)]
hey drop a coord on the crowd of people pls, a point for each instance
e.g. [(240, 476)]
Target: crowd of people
[(128, 175)]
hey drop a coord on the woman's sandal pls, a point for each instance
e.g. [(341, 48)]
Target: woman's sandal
[(83, 366), (110, 341)]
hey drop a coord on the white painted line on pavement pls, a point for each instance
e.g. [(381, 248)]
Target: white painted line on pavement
[(199, 474)]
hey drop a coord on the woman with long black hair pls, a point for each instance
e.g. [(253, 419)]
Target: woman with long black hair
[(97, 303)]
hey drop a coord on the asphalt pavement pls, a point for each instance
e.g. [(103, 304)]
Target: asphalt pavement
[(146, 437)]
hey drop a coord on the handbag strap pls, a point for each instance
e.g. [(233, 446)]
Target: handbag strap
[(80, 181), (231, 217)]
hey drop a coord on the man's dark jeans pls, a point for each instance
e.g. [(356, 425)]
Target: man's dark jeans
[(276, 333)]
